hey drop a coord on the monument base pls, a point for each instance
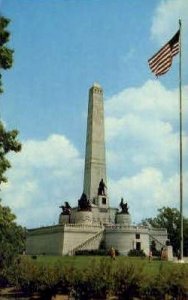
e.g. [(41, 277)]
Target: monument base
[(83, 217), (64, 219), (167, 253), (123, 219)]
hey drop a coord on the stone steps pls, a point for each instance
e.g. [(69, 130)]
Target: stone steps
[(87, 243)]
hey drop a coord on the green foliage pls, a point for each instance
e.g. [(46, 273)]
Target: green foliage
[(127, 279), (154, 251), (6, 58), (169, 280), (4, 34), (134, 252), (185, 236), (94, 281), (124, 278), (169, 218), (6, 54), (12, 237), (8, 142), (101, 252)]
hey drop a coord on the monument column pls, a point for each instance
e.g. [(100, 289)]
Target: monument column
[(95, 161)]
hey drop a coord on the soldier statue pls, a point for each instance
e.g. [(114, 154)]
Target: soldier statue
[(83, 203), (101, 188), (124, 207), (66, 209)]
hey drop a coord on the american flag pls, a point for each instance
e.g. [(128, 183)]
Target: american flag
[(161, 62)]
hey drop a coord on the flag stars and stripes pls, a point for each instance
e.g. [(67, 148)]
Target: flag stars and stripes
[(161, 62)]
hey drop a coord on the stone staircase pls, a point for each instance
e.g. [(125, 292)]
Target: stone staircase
[(152, 238), (87, 244)]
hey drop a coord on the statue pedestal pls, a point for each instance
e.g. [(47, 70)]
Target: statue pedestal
[(123, 219), (64, 219), (83, 217), (101, 201), (170, 253), (167, 253)]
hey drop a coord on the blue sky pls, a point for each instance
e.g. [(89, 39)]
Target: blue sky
[(61, 48)]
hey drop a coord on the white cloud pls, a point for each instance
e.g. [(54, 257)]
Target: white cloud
[(147, 191), (165, 25), (152, 100), (165, 20), (43, 175), (142, 129)]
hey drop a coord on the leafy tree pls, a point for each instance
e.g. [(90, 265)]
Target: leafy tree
[(8, 143), (11, 235), (169, 218), (6, 54), (8, 140), (185, 236)]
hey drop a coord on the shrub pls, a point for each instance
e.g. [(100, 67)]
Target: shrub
[(169, 280), (100, 252), (33, 277), (95, 281), (100, 277), (127, 279), (156, 253), (135, 252)]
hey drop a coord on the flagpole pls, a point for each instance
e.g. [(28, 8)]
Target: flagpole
[(180, 149)]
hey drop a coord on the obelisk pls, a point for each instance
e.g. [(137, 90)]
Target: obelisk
[(95, 160)]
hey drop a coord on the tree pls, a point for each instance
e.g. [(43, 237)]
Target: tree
[(8, 140), (169, 218), (11, 234), (8, 143), (6, 54)]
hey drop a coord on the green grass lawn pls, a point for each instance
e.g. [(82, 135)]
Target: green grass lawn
[(82, 262)]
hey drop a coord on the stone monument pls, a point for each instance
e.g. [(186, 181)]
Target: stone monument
[(95, 161), (93, 221)]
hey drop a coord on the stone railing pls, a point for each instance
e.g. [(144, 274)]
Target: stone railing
[(43, 229), (83, 226), (158, 230), (127, 228), (139, 228)]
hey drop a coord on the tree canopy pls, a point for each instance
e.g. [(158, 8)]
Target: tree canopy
[(11, 234), (6, 54), (169, 218), (8, 141)]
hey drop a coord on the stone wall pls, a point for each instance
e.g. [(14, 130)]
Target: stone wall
[(75, 235), (124, 219), (64, 239), (125, 238), (47, 240), (60, 240)]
